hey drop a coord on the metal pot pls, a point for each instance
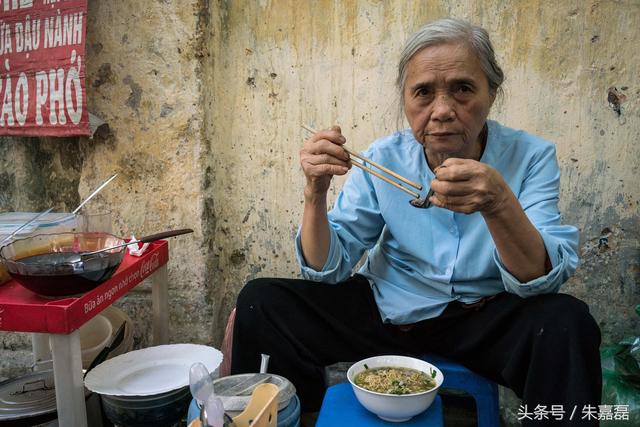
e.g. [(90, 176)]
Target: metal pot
[(28, 400)]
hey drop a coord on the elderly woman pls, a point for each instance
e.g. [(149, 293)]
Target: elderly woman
[(473, 278)]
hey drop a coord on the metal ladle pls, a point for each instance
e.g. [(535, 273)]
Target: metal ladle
[(145, 239)]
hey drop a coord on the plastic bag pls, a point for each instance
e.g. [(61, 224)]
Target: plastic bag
[(621, 380)]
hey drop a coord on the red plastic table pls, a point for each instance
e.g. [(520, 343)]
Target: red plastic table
[(55, 322)]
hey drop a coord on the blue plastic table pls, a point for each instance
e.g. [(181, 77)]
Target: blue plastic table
[(341, 408)]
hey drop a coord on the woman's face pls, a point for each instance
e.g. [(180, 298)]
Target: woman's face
[(447, 100)]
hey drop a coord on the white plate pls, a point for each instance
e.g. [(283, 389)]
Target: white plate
[(151, 370)]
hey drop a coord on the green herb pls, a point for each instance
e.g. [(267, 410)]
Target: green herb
[(365, 366), (433, 373)]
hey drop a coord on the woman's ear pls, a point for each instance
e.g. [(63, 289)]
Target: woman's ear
[(492, 94)]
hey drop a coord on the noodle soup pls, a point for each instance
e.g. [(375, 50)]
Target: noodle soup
[(395, 380)]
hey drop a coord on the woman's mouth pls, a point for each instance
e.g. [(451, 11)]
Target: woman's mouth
[(440, 134)]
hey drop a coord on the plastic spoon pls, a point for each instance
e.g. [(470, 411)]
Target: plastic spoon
[(200, 383), (214, 411)]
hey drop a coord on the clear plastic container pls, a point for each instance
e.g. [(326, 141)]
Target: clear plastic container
[(49, 223)]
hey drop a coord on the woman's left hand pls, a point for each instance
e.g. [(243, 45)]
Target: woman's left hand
[(467, 186)]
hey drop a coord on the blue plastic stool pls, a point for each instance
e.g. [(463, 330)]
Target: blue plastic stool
[(484, 391), (340, 408)]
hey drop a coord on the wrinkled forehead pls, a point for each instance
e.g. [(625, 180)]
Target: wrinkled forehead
[(450, 60)]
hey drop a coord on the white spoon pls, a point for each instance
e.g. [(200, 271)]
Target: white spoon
[(200, 383), (214, 411)]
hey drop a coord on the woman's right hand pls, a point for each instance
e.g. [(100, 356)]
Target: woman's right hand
[(321, 157)]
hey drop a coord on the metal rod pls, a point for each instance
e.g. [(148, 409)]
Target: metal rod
[(94, 193)]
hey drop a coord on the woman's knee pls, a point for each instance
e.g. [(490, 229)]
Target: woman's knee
[(568, 317), (265, 292), (253, 290)]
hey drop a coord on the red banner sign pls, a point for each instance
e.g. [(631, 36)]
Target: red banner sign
[(42, 68)]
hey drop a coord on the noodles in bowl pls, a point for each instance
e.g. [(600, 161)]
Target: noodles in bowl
[(395, 380), (395, 388)]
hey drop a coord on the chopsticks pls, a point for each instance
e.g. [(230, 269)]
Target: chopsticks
[(377, 174)]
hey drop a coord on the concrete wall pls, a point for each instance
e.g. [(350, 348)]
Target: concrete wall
[(277, 64), (143, 79), (204, 101)]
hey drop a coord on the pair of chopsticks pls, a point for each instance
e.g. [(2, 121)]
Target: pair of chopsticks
[(375, 173)]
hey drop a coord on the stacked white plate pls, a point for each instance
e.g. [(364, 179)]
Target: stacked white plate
[(149, 386)]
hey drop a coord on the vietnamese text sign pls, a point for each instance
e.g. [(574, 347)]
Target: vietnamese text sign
[(42, 67)]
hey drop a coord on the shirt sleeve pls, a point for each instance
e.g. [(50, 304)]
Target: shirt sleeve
[(355, 224), (539, 199)]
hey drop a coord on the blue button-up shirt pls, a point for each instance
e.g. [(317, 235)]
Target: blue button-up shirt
[(419, 260)]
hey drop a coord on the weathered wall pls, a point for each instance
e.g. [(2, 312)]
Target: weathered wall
[(144, 68), (276, 64), (204, 101), (143, 72)]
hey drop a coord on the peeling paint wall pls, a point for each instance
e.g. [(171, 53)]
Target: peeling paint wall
[(204, 101), (143, 68)]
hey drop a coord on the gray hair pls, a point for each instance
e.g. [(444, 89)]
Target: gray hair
[(451, 30)]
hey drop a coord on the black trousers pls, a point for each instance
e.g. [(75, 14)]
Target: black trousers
[(545, 348)]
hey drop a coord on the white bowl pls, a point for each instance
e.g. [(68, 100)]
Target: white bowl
[(95, 335), (116, 317), (394, 407)]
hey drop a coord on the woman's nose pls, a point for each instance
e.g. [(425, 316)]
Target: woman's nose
[(443, 109)]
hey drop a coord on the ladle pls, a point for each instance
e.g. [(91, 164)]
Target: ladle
[(96, 191), (145, 239)]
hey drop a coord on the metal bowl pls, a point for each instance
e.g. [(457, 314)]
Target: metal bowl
[(50, 265)]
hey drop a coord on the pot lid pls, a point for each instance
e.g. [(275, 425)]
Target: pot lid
[(27, 396)]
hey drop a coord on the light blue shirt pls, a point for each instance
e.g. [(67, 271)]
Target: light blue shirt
[(419, 260)]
